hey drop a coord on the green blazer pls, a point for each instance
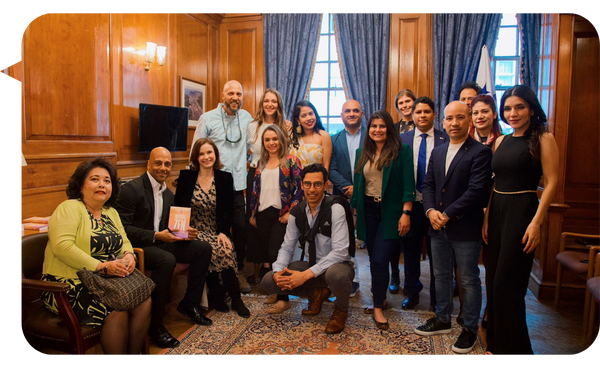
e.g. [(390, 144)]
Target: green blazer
[(398, 187)]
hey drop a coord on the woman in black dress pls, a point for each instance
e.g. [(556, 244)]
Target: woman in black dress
[(514, 216)]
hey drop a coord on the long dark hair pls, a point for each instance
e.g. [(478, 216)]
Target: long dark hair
[(78, 178), (296, 115), (537, 122), (391, 148), (496, 131)]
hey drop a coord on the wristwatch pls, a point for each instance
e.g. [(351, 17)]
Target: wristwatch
[(406, 212)]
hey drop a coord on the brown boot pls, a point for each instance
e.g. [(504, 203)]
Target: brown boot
[(316, 301), (337, 322)]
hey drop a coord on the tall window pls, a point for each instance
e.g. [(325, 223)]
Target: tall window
[(507, 60), (326, 89)]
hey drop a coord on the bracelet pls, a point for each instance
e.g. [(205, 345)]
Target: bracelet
[(105, 270)]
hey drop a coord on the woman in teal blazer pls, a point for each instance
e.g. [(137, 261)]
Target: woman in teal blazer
[(384, 189)]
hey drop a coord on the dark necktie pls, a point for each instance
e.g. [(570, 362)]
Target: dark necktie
[(422, 162)]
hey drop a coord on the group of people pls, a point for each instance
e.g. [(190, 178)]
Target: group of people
[(400, 184)]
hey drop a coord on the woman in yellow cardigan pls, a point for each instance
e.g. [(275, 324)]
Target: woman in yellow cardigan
[(82, 232), (384, 189)]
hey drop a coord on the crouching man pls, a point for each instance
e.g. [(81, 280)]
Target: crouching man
[(326, 239)]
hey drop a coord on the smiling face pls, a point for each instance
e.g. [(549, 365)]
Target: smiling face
[(378, 131), (206, 156), (271, 142), (97, 187), (352, 114), (483, 118), (233, 97), (517, 113), (405, 104), (159, 164), (423, 117), (307, 119), (270, 104), (457, 121), (314, 193)]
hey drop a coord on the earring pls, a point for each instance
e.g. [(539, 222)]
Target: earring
[(299, 129)]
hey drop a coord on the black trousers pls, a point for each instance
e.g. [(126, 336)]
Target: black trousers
[(270, 235), (161, 258)]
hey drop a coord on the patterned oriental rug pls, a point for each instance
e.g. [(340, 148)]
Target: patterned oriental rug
[(293, 333)]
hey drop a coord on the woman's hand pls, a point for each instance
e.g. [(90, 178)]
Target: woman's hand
[(192, 233), (224, 240), (484, 229), (114, 268), (252, 221), (531, 239), (404, 224), (129, 261), (284, 218)]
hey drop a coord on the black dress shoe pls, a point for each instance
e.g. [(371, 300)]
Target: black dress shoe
[(410, 302), (395, 286), (162, 338), (238, 306), (194, 313)]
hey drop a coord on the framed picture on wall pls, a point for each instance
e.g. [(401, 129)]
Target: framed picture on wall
[(192, 95)]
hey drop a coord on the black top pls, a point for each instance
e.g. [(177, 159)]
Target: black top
[(514, 166)]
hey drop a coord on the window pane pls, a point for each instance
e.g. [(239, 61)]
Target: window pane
[(335, 125), (333, 51), (507, 42), (509, 19), (336, 100), (319, 100), (336, 76), (320, 76), (506, 73), (323, 49), (324, 23)]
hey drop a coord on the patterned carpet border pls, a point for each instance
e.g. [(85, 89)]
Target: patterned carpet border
[(293, 333)]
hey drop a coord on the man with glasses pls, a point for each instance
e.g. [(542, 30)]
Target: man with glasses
[(328, 269), (226, 127)]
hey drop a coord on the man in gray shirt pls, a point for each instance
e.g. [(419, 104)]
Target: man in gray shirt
[(328, 271)]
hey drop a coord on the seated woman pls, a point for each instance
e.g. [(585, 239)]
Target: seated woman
[(209, 192), (83, 231), (277, 188), (310, 141)]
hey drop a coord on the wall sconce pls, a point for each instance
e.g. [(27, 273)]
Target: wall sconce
[(151, 51)]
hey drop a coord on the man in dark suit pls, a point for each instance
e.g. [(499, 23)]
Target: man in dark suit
[(144, 205), (343, 155), (423, 116), (455, 191)]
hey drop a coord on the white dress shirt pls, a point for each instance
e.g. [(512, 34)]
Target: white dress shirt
[(416, 145)]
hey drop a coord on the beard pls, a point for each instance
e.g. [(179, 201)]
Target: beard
[(229, 108)]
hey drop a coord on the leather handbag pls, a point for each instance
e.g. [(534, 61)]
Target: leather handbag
[(118, 293)]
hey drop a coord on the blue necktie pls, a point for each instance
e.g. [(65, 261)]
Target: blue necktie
[(422, 162)]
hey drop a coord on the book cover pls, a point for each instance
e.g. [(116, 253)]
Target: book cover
[(179, 221), (35, 226), (39, 220)]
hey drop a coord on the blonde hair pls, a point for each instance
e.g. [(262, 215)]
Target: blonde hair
[(283, 147)]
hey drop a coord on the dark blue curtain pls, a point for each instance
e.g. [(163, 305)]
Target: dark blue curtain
[(290, 45), (363, 41), (530, 26), (457, 43)]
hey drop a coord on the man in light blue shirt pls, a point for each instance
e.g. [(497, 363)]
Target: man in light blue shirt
[(328, 271), (226, 127)]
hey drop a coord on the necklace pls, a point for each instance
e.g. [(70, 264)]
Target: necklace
[(91, 211)]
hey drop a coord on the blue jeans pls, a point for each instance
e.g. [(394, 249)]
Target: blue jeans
[(466, 254)]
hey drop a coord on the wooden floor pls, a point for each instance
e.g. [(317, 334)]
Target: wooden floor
[(551, 331)]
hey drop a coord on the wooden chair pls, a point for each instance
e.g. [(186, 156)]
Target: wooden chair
[(42, 328), (579, 261), (593, 285)]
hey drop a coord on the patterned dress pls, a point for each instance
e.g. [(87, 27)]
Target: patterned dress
[(204, 215), (308, 153), (105, 240)]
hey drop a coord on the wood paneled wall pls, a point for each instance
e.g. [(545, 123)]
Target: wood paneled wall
[(83, 80)]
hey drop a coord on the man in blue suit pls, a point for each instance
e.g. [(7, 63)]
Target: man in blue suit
[(423, 116), (455, 191), (343, 156)]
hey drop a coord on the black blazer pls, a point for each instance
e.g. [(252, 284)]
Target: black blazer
[(224, 188), (463, 192), (135, 205)]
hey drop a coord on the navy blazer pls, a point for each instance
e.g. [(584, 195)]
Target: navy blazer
[(463, 192), (340, 168)]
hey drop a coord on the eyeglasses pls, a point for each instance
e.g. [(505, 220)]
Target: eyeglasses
[(317, 185), (226, 130)]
